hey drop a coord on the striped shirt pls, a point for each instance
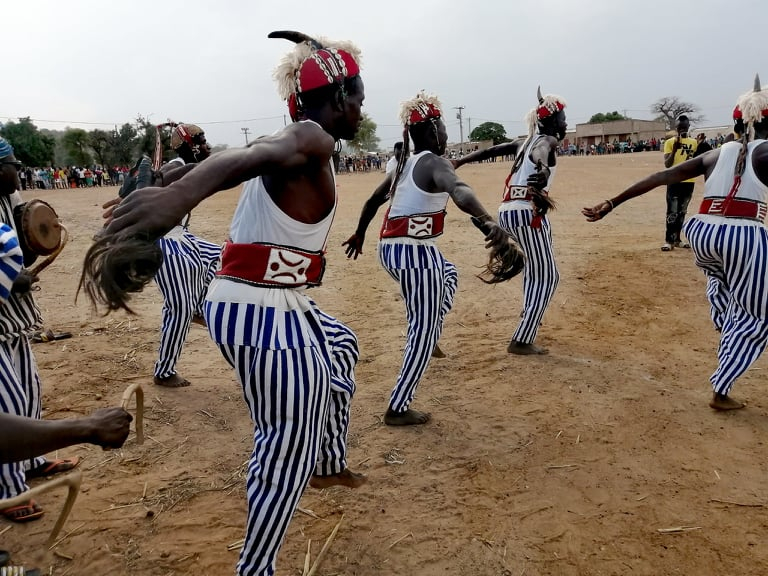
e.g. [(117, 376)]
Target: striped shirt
[(18, 313)]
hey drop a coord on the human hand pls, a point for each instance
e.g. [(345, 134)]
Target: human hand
[(496, 237), (109, 427), (540, 178), (455, 163), (23, 282), (598, 211), (354, 246), (109, 208), (150, 212)]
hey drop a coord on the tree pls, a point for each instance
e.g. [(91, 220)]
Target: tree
[(77, 145), (30, 146), (123, 144), (100, 142), (489, 131), (607, 117), (365, 139), (669, 108)]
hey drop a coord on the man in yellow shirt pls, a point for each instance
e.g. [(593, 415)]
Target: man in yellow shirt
[(676, 151)]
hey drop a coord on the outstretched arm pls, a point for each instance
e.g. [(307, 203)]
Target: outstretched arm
[(505, 149), (155, 211), (690, 169), (464, 197), (355, 242), (22, 438)]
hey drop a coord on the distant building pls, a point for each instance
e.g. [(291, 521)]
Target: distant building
[(619, 130), (463, 148)]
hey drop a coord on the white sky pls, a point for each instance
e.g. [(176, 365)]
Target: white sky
[(210, 63)]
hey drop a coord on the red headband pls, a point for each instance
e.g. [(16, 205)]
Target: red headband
[(544, 112), (424, 111), (324, 67)]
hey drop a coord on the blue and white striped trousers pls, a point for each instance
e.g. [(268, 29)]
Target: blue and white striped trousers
[(297, 373), (20, 394), (734, 257), (428, 284), (540, 276), (189, 264)]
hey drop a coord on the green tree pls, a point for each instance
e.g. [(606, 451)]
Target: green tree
[(76, 143), (123, 144), (607, 117), (365, 139), (100, 142), (489, 131), (669, 108), (30, 146)]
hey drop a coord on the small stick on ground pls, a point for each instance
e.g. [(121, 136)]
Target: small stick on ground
[(307, 558), (4, 530), (677, 529), (559, 466), (308, 513), (236, 545), (62, 555), (745, 504), (325, 548), (400, 540)]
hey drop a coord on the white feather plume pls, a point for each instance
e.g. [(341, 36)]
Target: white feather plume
[(285, 73), (421, 98), (752, 105)]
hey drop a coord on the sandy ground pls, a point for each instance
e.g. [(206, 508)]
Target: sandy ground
[(568, 464)]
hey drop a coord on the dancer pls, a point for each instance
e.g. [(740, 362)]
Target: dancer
[(419, 189), (523, 212), (728, 238), (295, 362)]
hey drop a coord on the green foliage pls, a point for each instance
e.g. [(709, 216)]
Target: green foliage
[(607, 117), (489, 131), (365, 139), (30, 146), (100, 142), (124, 144), (77, 146)]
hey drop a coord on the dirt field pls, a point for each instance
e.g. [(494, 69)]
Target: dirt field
[(568, 464)]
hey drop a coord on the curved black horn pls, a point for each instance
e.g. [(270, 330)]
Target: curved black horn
[(757, 83), (538, 94), (296, 37)]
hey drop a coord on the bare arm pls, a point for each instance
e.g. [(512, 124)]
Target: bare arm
[(505, 149), (690, 169), (155, 211), (380, 195), (22, 438), (669, 157)]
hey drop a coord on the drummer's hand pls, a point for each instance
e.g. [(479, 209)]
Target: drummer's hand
[(109, 207), (23, 282), (148, 212)]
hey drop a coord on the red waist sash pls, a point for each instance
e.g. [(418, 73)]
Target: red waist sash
[(421, 226), (271, 265), (516, 193), (734, 208)]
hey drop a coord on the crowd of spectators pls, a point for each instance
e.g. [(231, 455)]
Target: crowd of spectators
[(70, 177)]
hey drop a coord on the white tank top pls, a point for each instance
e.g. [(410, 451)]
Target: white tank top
[(720, 181), (409, 199), (258, 219)]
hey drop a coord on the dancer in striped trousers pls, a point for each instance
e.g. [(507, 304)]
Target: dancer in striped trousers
[(419, 190), (728, 238), (294, 362), (20, 392), (523, 211), (189, 263)]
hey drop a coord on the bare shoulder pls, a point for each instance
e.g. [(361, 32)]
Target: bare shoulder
[(308, 138)]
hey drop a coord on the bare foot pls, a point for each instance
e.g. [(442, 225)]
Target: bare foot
[(437, 352), (346, 478), (408, 418), (724, 402), (522, 349), (172, 381)]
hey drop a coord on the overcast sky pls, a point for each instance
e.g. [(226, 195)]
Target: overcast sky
[(94, 64)]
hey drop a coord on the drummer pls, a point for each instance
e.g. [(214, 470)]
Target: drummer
[(20, 392)]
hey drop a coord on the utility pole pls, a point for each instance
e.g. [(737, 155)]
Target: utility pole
[(469, 127), (245, 131), (461, 122)]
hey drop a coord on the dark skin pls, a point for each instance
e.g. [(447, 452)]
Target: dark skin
[(22, 438), (698, 166), (682, 127), (297, 174), (543, 155), (432, 174)]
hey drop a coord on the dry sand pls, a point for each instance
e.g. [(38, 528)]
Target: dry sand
[(567, 464)]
